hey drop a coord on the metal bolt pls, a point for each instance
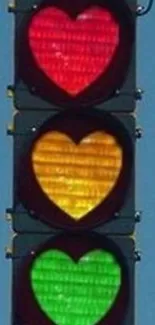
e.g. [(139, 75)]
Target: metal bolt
[(33, 130), (139, 9), (139, 94), (137, 256), (10, 91), (11, 6), (117, 92), (8, 252), (138, 216), (35, 6), (8, 217), (139, 132)]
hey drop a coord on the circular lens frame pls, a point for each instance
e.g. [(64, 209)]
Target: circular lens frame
[(74, 245), (101, 89), (76, 127)]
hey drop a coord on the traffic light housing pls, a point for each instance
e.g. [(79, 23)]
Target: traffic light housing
[(90, 163), (74, 151), (73, 278), (75, 56)]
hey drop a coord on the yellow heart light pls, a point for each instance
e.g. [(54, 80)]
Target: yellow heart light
[(77, 177)]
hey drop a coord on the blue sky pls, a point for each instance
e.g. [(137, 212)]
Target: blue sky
[(145, 165)]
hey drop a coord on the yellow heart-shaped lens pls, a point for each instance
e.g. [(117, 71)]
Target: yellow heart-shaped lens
[(77, 177)]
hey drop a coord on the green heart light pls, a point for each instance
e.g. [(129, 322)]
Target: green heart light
[(79, 293)]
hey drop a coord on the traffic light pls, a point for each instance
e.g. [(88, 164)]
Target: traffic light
[(74, 151)]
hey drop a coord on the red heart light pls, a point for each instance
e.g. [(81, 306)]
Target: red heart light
[(73, 52)]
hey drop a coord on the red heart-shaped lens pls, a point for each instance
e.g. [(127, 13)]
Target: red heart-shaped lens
[(73, 52)]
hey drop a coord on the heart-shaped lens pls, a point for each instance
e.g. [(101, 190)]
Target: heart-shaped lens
[(70, 292), (77, 177), (73, 52)]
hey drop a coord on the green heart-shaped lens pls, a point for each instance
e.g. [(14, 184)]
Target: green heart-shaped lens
[(75, 293)]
